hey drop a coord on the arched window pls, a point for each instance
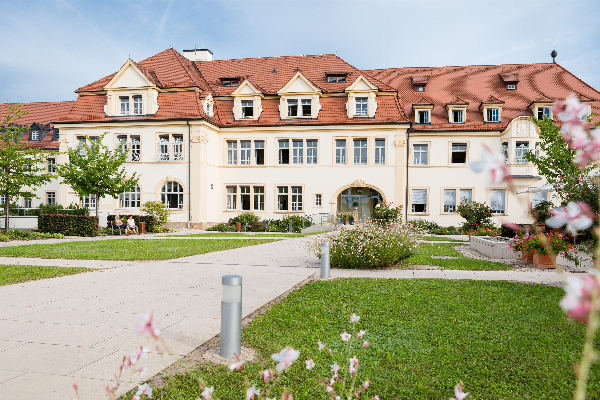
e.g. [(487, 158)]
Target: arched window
[(130, 199), (172, 195)]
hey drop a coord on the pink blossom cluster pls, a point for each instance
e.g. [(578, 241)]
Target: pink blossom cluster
[(576, 216), (574, 130), (580, 295), (494, 163)]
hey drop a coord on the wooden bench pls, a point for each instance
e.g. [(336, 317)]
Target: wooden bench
[(256, 224)]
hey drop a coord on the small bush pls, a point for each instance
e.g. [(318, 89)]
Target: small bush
[(222, 227), (451, 230), (149, 220), (477, 215), (540, 213), (244, 218), (158, 211), (68, 225), (21, 235), (385, 214), (423, 224), (369, 246), (489, 230), (299, 222)]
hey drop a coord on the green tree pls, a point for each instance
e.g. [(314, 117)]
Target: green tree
[(556, 164), (94, 169), (22, 169)]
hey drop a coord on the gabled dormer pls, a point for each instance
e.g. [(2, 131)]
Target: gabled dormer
[(208, 105), (457, 111), (246, 101), (131, 92), (492, 110), (361, 98), (542, 107), (419, 83), (422, 110), (299, 98)]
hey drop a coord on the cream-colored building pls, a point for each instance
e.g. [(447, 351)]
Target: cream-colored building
[(311, 135)]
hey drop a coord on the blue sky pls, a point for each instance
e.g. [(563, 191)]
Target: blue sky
[(50, 48)]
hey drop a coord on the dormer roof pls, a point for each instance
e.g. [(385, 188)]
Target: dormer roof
[(299, 84), (419, 80), (491, 101), (361, 84), (132, 75), (246, 88), (457, 101), (512, 77), (424, 102)]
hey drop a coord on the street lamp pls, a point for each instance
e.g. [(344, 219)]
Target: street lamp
[(231, 316)]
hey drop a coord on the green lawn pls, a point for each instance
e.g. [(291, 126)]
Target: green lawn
[(423, 257), (443, 239), (244, 234), (127, 250), (503, 340), (23, 273)]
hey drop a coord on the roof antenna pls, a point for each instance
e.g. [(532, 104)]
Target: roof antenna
[(274, 71), (297, 69), (553, 55)]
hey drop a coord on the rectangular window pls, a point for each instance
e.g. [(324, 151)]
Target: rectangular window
[(259, 152), (282, 198), (231, 198), (245, 152), (380, 151), (538, 197), (35, 136), (543, 112), (88, 201), (292, 108), (419, 200), (247, 108), (311, 151), (297, 151), (511, 87), (420, 154), (50, 197), (336, 78), (498, 201), (51, 164), (340, 151), (137, 105), (449, 201), (423, 117), (419, 88), (361, 105), (2, 199), (124, 105), (458, 116), (122, 143), (360, 151), (520, 151), (459, 153), (493, 114), (245, 197), (163, 148), (230, 82), (465, 194), (135, 148), (177, 147), (296, 198), (306, 108), (317, 200), (259, 198), (505, 152), (284, 151), (232, 152), (26, 202)]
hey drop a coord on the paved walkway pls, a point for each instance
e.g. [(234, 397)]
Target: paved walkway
[(57, 331)]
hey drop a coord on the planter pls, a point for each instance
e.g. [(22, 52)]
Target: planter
[(351, 222), (527, 257), (541, 261), (541, 227)]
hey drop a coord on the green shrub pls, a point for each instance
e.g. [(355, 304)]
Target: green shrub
[(488, 230), (299, 222), (423, 224), (71, 209), (149, 220), (243, 218), (540, 212), (451, 230), (158, 211), (385, 214), (222, 227), (477, 215), (68, 225), (369, 245)]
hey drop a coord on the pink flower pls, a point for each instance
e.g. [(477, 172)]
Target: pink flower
[(335, 368), (267, 374), (285, 358), (366, 344), (141, 370), (366, 384), (576, 216), (207, 393), (310, 364), (251, 391), (345, 336), (144, 389), (573, 128), (577, 303), (354, 318), (236, 366), (458, 392), (494, 163), (351, 369), (353, 361), (147, 325), (590, 151), (321, 346), (360, 334), (375, 397)]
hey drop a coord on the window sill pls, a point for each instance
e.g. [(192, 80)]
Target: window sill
[(418, 213), (288, 212), (299, 117), (422, 123), (361, 115), (457, 123)]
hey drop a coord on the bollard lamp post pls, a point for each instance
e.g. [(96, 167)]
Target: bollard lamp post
[(324, 260), (231, 316)]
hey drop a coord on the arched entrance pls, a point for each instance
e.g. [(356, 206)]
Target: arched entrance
[(360, 195)]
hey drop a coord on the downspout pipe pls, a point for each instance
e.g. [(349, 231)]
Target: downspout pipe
[(189, 174)]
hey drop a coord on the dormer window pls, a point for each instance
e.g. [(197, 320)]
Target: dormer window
[(137, 105), (247, 108), (34, 136), (362, 105), (543, 112), (492, 115), (457, 116), (511, 86), (303, 111), (585, 113), (124, 105), (209, 109), (419, 88), (336, 78), (422, 117), (230, 82)]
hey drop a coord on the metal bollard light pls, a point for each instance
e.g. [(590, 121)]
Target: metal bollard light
[(325, 260), (291, 227), (231, 316)]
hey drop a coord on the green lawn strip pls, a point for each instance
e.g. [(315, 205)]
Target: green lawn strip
[(504, 340), (423, 257), (443, 239), (127, 250), (245, 234), (22, 273)]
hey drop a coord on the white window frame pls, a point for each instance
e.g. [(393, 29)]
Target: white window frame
[(361, 105), (51, 164), (232, 152), (297, 199), (505, 200), (35, 136), (545, 110), (520, 151), (420, 152), (458, 197), (51, 197), (419, 112), (245, 190), (363, 151), (452, 151), (462, 112), (171, 188), (492, 114), (231, 198), (131, 199), (299, 103), (245, 106), (131, 143), (412, 204), (312, 151), (318, 200), (297, 151), (380, 151), (258, 197), (138, 105), (88, 201), (124, 105), (245, 152), (341, 152), (26, 202), (336, 78), (511, 86)]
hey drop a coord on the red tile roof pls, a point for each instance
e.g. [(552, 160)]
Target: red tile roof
[(476, 83)]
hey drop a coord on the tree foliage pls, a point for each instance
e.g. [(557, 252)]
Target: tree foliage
[(556, 164), (22, 169), (158, 210), (478, 215), (94, 169)]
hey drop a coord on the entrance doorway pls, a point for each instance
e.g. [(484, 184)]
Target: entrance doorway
[(362, 197)]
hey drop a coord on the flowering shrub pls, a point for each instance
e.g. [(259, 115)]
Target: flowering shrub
[(489, 230), (368, 246), (385, 214), (477, 215), (554, 243), (521, 243)]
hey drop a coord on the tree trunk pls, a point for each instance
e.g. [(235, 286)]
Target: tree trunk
[(97, 201)]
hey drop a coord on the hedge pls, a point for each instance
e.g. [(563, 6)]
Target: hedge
[(68, 225), (149, 220)]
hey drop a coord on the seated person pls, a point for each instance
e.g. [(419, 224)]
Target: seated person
[(120, 224), (131, 227)]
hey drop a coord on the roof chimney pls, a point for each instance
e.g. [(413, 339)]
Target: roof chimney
[(553, 55), (198, 54)]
